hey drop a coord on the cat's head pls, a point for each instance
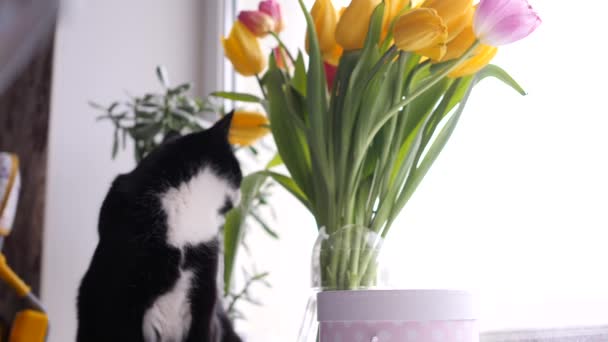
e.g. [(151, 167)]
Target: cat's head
[(196, 180)]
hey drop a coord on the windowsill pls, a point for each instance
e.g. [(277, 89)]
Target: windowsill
[(581, 334)]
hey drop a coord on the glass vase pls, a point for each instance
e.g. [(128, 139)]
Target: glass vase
[(347, 259)]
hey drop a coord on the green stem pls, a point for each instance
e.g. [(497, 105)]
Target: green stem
[(419, 91), (283, 47)]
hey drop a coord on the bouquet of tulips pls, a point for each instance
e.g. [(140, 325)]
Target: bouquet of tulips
[(359, 125)]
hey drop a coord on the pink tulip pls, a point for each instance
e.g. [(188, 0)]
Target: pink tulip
[(273, 9), (500, 22), (259, 23)]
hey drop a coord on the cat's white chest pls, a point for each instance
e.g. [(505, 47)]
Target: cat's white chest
[(193, 209), (169, 318)]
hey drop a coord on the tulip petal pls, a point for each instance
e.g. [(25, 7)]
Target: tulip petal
[(325, 19), (330, 74), (459, 24), (511, 29), (499, 22), (257, 22), (243, 49), (247, 127), (354, 23), (482, 56), (273, 9), (459, 45), (421, 30)]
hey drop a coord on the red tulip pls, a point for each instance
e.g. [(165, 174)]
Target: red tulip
[(330, 74), (259, 23)]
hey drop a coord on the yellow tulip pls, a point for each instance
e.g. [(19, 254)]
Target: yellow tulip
[(325, 19), (460, 44), (354, 23), (421, 30), (391, 11), (243, 49), (463, 41), (456, 14), (481, 57), (247, 127)]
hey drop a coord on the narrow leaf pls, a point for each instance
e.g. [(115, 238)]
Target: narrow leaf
[(115, 145), (96, 105), (275, 161), (232, 236), (233, 227), (234, 96), (500, 74), (435, 149), (299, 77), (291, 186), (161, 74)]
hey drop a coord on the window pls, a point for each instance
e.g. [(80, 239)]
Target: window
[(515, 207)]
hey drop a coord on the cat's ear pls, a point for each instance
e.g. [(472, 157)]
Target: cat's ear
[(222, 127)]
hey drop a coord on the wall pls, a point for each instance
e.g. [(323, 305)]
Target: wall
[(104, 49)]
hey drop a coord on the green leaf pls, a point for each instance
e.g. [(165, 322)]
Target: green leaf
[(497, 72), (145, 131), (435, 149), (424, 104), (264, 225), (115, 145), (291, 186), (179, 89), (289, 137), (161, 74), (112, 107), (451, 98), (235, 219), (97, 106), (316, 96), (124, 138), (274, 162), (234, 96), (299, 76), (232, 236)]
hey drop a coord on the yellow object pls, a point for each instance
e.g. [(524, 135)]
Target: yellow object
[(12, 279), (421, 30), (456, 27), (454, 13), (247, 127), (391, 11), (325, 18), (460, 44), (481, 57), (243, 49), (29, 326), (9, 187), (354, 23)]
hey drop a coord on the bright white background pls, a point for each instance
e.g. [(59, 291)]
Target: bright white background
[(515, 209)]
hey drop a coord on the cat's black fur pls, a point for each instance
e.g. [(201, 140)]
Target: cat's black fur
[(133, 264)]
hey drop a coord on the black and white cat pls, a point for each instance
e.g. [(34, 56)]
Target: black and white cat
[(153, 276)]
